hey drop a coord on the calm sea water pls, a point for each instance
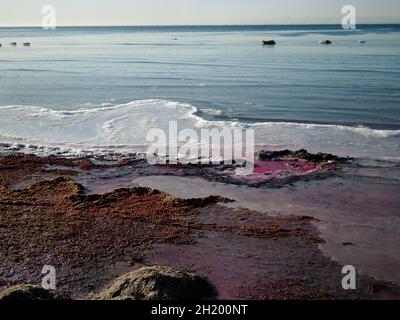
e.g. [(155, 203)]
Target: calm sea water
[(223, 71)]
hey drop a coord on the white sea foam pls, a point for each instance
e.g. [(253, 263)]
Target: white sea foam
[(123, 128), (211, 112)]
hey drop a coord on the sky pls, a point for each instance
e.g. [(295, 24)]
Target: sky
[(195, 12)]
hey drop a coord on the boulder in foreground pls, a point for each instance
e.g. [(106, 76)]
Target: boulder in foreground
[(158, 283), (26, 292)]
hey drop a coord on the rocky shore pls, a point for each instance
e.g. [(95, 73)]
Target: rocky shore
[(50, 215)]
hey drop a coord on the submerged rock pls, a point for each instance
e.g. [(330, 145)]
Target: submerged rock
[(325, 42), (26, 292), (158, 283)]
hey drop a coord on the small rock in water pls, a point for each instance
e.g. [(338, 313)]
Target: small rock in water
[(362, 41), (27, 44), (13, 44), (325, 42), (269, 42), (347, 244)]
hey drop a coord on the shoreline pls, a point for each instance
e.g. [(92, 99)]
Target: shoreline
[(92, 236)]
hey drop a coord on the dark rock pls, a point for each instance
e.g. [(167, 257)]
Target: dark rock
[(13, 44), (198, 202), (270, 155), (85, 164), (299, 154), (377, 286), (325, 42), (269, 42), (347, 244), (319, 157), (26, 292), (2, 144), (158, 283), (26, 44)]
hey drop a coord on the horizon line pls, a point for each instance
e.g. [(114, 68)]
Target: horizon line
[(200, 25)]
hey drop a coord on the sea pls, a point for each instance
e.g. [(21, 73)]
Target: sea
[(101, 89), (79, 91)]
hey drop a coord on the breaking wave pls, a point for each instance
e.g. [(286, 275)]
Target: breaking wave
[(123, 128)]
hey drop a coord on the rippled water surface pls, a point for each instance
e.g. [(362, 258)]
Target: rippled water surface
[(223, 71)]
